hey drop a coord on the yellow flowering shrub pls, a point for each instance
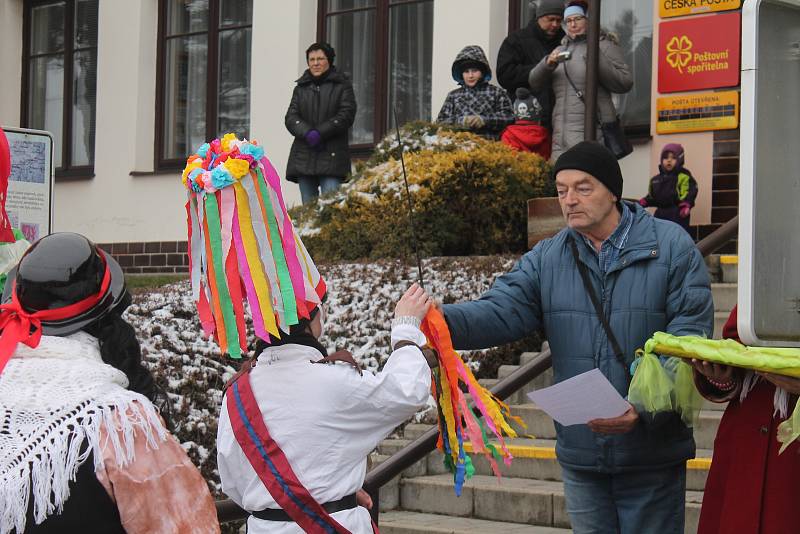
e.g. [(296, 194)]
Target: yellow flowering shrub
[(469, 197)]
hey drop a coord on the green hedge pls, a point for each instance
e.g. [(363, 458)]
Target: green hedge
[(469, 196)]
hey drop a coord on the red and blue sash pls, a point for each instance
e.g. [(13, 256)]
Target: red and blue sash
[(270, 462)]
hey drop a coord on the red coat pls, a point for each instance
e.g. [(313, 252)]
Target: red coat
[(751, 489), (527, 136)]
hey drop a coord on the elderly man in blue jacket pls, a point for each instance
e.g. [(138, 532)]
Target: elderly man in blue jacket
[(626, 474)]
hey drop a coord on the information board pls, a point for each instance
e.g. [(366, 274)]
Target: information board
[(769, 181), (697, 112), (699, 53), (29, 203)]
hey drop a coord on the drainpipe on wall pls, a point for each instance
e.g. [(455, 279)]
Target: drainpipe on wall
[(592, 57)]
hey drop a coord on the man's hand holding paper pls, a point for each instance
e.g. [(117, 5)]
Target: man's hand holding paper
[(588, 398)]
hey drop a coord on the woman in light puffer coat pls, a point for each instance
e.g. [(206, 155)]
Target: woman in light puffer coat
[(614, 76)]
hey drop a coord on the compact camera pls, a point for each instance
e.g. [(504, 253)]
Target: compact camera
[(563, 56)]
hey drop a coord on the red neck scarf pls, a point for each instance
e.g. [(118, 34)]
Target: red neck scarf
[(20, 326)]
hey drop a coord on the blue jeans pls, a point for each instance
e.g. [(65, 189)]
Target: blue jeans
[(642, 502), (310, 186)]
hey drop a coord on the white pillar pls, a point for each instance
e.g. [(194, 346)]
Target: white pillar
[(456, 24), (281, 33), (10, 61)]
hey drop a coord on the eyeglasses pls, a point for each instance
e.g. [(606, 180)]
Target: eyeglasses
[(574, 20)]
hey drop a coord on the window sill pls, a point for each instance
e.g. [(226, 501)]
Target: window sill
[(74, 175), (159, 172)]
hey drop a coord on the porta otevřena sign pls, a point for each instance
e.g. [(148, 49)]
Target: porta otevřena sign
[(677, 8), (699, 53)]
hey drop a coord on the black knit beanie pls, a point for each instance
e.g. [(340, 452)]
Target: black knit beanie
[(593, 158), (549, 7)]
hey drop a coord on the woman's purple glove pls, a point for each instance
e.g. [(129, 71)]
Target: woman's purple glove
[(685, 209), (643, 202), (313, 138)]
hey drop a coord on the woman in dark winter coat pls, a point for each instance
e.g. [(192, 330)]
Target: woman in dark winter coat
[(476, 105), (567, 77), (321, 112)]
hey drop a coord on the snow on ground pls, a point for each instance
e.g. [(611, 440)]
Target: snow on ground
[(360, 305)]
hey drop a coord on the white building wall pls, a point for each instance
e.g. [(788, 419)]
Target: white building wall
[(281, 33), (116, 206), (10, 61)]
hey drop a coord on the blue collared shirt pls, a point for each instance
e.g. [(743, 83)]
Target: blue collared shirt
[(610, 248)]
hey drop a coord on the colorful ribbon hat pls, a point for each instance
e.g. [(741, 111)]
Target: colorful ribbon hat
[(243, 246)]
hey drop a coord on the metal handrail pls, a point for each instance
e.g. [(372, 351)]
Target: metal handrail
[(227, 510), (718, 237)]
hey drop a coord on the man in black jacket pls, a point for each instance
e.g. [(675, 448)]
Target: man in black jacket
[(523, 49)]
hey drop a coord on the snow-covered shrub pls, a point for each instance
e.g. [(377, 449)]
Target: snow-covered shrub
[(469, 197)]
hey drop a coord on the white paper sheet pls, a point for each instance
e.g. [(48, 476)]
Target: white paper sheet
[(580, 399)]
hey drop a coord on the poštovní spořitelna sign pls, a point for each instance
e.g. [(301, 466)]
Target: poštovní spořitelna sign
[(697, 112), (699, 53), (676, 8)]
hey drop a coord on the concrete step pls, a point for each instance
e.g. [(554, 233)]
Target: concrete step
[(390, 446), (514, 500), (720, 318), (414, 430), (390, 492), (536, 459), (520, 397), (525, 357), (729, 266), (724, 296), (400, 522), (540, 425)]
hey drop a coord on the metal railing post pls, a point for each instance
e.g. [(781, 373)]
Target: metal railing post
[(592, 60)]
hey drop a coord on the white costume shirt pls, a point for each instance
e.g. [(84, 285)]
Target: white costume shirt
[(326, 419)]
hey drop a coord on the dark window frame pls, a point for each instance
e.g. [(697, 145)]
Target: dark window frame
[(382, 38), (635, 131), (66, 171), (212, 78)]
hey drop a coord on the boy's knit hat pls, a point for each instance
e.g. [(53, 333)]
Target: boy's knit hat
[(676, 149), (526, 107), (595, 159)]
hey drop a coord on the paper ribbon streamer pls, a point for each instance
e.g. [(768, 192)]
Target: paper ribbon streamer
[(457, 421)]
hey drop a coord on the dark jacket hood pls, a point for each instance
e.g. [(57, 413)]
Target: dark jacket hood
[(470, 54)]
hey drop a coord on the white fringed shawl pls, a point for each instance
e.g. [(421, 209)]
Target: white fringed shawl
[(780, 401), (53, 399)]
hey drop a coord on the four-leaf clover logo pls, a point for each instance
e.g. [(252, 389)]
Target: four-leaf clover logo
[(679, 52)]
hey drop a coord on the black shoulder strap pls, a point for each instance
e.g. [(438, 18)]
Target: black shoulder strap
[(578, 92), (598, 308)]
